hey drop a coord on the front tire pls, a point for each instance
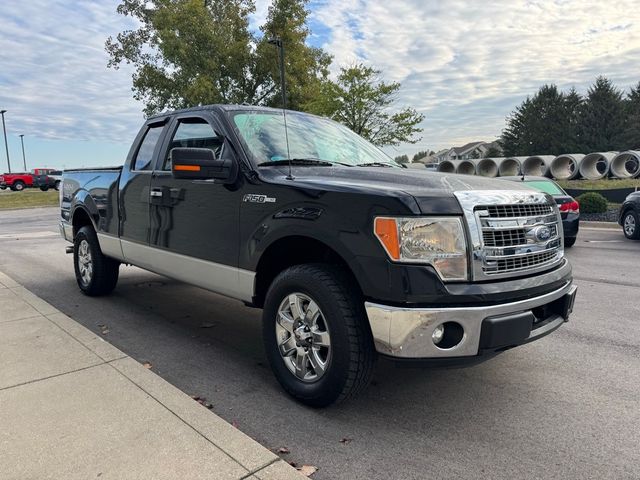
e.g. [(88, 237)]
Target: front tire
[(631, 225), (316, 334), (57, 185), (96, 274), (44, 189), (569, 242)]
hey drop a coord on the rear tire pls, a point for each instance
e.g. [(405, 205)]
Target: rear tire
[(328, 351), (96, 274), (569, 242), (631, 225), (18, 186)]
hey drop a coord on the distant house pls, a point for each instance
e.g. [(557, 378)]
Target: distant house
[(465, 152)]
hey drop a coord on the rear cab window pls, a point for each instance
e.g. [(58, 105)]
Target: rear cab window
[(144, 155)]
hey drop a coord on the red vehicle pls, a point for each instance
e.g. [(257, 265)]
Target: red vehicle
[(16, 181)]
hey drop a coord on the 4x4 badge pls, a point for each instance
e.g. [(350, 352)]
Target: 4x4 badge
[(254, 198)]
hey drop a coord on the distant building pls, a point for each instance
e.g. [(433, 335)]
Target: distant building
[(465, 152)]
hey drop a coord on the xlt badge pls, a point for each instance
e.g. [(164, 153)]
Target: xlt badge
[(254, 198)]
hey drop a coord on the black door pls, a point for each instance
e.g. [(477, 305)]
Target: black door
[(135, 181), (196, 218)]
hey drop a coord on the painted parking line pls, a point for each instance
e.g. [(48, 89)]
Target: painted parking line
[(19, 236)]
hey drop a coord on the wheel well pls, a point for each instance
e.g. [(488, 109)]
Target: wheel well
[(80, 219), (289, 251)]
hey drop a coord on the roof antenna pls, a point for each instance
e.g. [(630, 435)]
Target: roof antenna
[(277, 41)]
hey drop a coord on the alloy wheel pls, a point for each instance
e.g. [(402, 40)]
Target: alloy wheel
[(629, 225), (85, 262), (303, 337)]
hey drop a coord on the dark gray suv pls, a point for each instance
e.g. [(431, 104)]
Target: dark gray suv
[(629, 217)]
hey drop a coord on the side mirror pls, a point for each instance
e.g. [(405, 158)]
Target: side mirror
[(201, 164)]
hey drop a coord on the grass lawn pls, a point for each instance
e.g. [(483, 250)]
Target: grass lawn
[(602, 184), (31, 197)]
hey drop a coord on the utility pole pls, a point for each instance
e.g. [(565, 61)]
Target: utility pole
[(6, 145), (24, 159)]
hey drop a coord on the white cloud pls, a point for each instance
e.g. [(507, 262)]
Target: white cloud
[(467, 64), (54, 81), (464, 64)]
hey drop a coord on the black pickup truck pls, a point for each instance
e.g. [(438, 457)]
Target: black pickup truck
[(349, 254)]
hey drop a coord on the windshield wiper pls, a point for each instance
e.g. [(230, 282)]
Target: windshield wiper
[(376, 164), (303, 161)]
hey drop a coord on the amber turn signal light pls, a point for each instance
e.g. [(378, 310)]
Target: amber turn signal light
[(386, 229), (187, 168)]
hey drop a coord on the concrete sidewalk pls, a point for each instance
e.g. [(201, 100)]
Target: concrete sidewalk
[(73, 406)]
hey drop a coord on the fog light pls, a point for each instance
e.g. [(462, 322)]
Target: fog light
[(437, 334)]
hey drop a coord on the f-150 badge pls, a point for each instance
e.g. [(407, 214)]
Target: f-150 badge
[(254, 198)]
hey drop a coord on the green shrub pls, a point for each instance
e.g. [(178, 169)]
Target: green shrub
[(592, 202)]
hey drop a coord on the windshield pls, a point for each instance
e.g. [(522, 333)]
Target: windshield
[(310, 138), (546, 186)]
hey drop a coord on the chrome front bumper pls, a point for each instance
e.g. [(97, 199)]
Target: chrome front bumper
[(406, 332)]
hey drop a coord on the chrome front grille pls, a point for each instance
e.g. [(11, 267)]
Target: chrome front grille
[(504, 238), (520, 262), (513, 233), (518, 210)]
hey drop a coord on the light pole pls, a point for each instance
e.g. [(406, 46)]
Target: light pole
[(24, 159), (277, 42), (6, 145)]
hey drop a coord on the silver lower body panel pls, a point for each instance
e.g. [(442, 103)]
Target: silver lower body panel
[(407, 332)]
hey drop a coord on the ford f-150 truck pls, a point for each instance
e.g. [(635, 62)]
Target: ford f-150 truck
[(349, 255)]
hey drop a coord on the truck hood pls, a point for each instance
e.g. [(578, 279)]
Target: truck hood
[(424, 186)]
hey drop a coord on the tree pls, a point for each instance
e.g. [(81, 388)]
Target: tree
[(631, 131), (192, 52), (360, 100), (402, 159), (421, 154), (493, 151), (602, 120), (541, 125)]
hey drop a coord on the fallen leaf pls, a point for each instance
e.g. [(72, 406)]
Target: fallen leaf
[(307, 470), (283, 450), (346, 440), (147, 365)]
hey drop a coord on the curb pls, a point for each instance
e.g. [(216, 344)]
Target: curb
[(257, 461), (600, 225)]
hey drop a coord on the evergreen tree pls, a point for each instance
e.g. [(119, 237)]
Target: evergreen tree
[(631, 133), (602, 119), (402, 159), (573, 104), (545, 124)]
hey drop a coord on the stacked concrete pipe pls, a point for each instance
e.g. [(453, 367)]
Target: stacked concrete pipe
[(537, 165), (466, 167), (595, 166), (447, 166), (487, 167), (626, 164), (510, 166), (566, 166)]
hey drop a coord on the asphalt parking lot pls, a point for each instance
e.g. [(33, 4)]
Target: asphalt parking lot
[(565, 407)]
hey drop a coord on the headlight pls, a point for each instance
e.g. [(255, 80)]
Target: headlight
[(438, 241)]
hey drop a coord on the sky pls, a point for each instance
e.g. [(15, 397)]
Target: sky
[(465, 65)]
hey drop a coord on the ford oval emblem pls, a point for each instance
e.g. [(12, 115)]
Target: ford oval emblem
[(542, 233)]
